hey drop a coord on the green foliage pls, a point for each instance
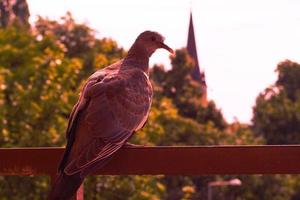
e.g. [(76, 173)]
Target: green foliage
[(125, 187), (178, 84), (79, 41), (277, 187), (276, 114), (166, 127), (210, 114), (288, 79), (37, 84), (23, 188)]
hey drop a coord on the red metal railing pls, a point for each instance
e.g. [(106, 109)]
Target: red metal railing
[(191, 160)]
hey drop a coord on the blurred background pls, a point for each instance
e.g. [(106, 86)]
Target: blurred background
[(234, 80)]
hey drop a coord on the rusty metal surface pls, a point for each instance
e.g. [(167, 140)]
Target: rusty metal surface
[(165, 160), (29, 161)]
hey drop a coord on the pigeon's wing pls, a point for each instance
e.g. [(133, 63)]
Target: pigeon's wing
[(73, 122), (115, 107)]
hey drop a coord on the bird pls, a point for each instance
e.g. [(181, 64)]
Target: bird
[(114, 103)]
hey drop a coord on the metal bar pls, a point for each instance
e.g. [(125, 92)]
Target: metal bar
[(191, 160)]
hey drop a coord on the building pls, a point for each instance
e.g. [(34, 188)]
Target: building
[(196, 74)]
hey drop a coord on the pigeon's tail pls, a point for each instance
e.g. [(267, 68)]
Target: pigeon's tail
[(65, 186)]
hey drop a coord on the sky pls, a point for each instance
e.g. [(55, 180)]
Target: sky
[(239, 43)]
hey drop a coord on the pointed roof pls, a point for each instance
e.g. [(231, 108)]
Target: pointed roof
[(192, 50)]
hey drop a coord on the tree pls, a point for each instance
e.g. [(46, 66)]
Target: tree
[(39, 84), (288, 79), (276, 113), (37, 90), (178, 85), (79, 41), (14, 12), (210, 114)]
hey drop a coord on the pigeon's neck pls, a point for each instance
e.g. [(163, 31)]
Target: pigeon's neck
[(137, 57)]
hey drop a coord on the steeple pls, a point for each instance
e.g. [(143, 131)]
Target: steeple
[(192, 50), (196, 74)]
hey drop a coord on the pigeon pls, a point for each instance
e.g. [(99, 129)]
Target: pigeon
[(113, 104)]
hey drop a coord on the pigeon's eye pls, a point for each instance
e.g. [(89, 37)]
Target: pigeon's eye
[(153, 38)]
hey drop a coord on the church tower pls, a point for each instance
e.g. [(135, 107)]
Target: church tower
[(196, 74)]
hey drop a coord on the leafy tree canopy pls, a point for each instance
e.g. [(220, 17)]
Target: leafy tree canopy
[(277, 110)]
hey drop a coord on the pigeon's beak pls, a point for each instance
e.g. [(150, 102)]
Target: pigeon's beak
[(164, 46)]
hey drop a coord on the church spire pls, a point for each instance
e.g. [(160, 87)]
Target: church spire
[(192, 50), (196, 74)]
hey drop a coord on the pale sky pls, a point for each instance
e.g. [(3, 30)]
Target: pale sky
[(239, 43)]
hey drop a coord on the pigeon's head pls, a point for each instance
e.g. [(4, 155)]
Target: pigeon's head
[(151, 41)]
